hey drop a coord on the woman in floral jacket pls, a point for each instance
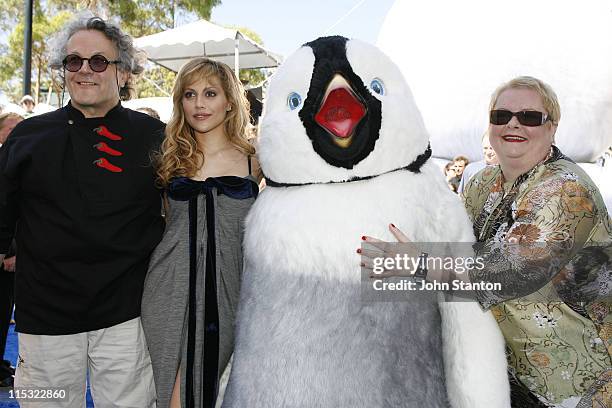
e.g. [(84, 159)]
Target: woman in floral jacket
[(545, 236), (533, 213)]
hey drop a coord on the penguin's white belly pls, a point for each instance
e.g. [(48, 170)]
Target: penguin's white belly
[(305, 338)]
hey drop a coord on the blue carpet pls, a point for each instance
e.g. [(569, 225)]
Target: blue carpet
[(10, 353)]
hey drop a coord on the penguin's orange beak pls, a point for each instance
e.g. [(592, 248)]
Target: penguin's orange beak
[(340, 112)]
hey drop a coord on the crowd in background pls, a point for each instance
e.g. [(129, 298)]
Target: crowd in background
[(27, 107)]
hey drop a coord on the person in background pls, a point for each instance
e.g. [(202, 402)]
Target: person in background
[(459, 164), (7, 273), (452, 179), (8, 121), (605, 158), (207, 167), (77, 190), (149, 111), (28, 104), (490, 159)]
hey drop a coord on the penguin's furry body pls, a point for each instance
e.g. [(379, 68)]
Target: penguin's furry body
[(305, 336)]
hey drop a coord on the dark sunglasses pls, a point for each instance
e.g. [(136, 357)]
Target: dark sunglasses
[(97, 63), (526, 118)]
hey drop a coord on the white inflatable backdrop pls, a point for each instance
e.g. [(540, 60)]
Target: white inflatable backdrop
[(454, 54)]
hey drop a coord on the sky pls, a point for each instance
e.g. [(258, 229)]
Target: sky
[(284, 25)]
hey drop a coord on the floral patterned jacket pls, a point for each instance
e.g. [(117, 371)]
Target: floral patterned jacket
[(555, 317)]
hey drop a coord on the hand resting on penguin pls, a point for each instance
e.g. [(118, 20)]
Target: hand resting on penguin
[(376, 248)]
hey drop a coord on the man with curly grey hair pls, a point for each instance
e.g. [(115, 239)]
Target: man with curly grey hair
[(77, 191)]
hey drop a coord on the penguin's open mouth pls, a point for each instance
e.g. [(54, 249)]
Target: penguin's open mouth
[(340, 112), (341, 116)]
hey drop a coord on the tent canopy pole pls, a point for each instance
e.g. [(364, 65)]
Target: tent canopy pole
[(236, 56)]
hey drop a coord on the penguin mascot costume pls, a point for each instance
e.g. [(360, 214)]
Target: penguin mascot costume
[(345, 152)]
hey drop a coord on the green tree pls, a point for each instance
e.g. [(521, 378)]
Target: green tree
[(142, 17), (155, 81), (138, 18), (11, 63), (9, 13)]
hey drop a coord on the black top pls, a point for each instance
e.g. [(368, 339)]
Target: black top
[(78, 194)]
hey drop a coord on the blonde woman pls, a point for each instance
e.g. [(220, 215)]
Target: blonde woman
[(210, 176)]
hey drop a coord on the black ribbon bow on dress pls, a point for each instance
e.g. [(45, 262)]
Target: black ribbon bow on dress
[(183, 188)]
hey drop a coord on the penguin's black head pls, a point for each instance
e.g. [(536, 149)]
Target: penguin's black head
[(338, 110), (340, 115)]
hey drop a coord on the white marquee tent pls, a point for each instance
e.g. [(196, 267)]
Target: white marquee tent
[(172, 48)]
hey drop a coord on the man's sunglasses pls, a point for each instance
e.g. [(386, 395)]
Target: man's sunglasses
[(526, 118), (97, 63)]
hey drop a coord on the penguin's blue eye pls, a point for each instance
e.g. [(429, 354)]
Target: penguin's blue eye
[(294, 100), (377, 86)]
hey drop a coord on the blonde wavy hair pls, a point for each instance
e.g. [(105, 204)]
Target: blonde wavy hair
[(180, 155)]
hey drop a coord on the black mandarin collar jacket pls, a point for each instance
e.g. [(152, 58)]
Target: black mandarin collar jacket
[(79, 196)]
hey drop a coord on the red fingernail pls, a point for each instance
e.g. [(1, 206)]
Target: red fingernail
[(358, 250), (393, 226), (363, 238)]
